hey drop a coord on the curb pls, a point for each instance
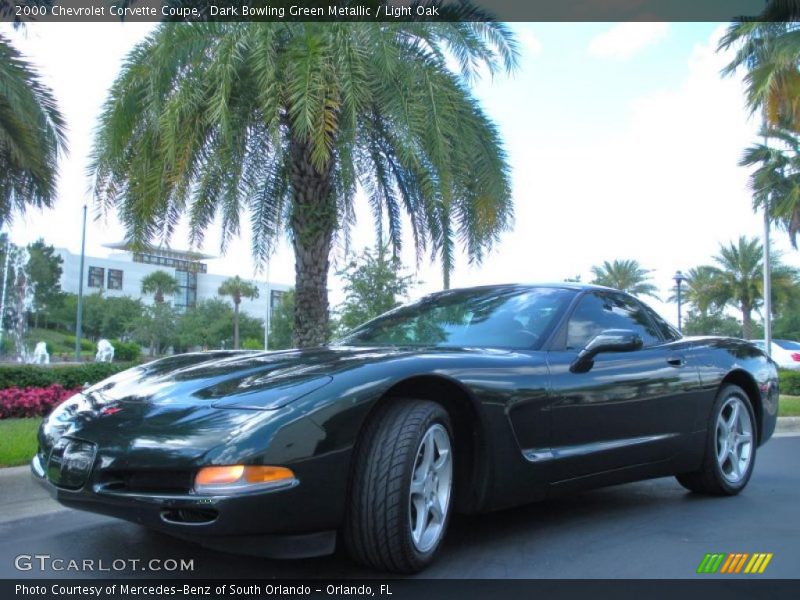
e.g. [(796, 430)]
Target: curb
[(788, 425), (13, 471)]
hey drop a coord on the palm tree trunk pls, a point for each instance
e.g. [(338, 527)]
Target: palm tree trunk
[(747, 322), (235, 325), (313, 223)]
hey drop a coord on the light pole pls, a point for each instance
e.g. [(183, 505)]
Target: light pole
[(679, 278), (268, 314), (5, 281), (767, 285), (78, 320)]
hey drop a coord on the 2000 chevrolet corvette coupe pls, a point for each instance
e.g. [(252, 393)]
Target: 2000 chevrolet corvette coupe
[(468, 400)]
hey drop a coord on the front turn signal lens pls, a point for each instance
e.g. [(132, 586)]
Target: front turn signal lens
[(219, 475), (234, 478), (267, 474)]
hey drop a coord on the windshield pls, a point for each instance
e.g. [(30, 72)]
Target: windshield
[(504, 318)]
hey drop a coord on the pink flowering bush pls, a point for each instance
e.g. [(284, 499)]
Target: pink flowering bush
[(32, 401)]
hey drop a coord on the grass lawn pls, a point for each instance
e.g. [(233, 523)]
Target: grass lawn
[(789, 406), (17, 441)]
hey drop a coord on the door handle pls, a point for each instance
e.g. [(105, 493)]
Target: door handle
[(676, 361)]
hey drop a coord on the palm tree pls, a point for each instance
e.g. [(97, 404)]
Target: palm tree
[(740, 279), (625, 275), (285, 121), (776, 180), (32, 136), (702, 290), (160, 284), (237, 288), (769, 48)]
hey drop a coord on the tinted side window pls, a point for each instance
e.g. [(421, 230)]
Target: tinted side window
[(667, 331), (599, 311)]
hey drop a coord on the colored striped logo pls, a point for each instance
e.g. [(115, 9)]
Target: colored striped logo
[(735, 563)]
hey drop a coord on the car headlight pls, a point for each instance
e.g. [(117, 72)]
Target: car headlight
[(238, 478)]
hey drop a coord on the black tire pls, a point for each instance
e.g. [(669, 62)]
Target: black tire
[(710, 478), (377, 529)]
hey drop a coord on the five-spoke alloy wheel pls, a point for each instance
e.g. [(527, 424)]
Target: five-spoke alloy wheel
[(401, 489), (730, 446), (431, 484), (734, 439)]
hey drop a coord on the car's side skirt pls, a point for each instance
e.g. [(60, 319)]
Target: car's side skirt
[(547, 454)]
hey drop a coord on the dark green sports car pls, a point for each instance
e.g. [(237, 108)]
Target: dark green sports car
[(468, 400)]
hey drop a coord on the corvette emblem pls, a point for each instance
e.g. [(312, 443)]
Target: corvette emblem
[(110, 410)]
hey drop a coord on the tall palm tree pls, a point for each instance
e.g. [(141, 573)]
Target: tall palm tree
[(702, 290), (776, 180), (285, 121), (625, 275), (740, 279), (769, 49), (160, 284), (32, 136), (237, 288)]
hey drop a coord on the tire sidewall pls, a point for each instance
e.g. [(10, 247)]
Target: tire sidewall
[(437, 415), (726, 393)]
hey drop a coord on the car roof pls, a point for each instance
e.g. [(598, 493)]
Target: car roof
[(566, 285)]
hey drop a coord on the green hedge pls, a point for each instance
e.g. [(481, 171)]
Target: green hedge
[(790, 382), (68, 376), (126, 351)]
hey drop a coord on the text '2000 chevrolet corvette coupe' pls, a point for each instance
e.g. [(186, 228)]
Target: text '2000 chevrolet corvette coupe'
[(467, 400)]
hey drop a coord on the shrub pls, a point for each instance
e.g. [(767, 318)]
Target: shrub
[(86, 345), (789, 382), (126, 351), (67, 376), (32, 402), (252, 344)]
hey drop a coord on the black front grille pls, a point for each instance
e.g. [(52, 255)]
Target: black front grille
[(152, 482)]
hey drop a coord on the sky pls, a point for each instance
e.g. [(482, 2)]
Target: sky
[(623, 141)]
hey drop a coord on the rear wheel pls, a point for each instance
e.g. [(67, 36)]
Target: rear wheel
[(730, 447), (401, 490)]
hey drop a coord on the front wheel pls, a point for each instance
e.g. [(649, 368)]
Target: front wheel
[(401, 489), (730, 447)]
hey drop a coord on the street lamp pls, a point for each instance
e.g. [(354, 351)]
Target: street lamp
[(679, 278), (79, 318)]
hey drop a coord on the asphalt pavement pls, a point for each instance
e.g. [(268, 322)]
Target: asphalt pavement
[(651, 529)]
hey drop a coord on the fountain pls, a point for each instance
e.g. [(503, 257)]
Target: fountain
[(21, 301), (40, 354), (105, 351)]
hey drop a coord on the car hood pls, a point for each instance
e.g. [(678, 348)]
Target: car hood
[(179, 408), (244, 380)]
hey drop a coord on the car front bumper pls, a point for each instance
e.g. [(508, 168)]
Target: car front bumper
[(281, 522)]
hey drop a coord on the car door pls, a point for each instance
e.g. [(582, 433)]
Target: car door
[(629, 408)]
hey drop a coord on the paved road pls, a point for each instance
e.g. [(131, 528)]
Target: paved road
[(651, 529)]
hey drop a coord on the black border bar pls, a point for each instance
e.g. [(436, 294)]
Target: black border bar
[(398, 589), (66, 11)]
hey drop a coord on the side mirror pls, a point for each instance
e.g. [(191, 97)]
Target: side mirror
[(610, 340)]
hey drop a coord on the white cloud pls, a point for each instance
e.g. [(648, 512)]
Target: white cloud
[(626, 39), (529, 42)]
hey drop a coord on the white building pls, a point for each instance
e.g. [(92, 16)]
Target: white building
[(121, 274)]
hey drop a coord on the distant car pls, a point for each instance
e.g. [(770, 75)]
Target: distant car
[(784, 352), (467, 400)]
